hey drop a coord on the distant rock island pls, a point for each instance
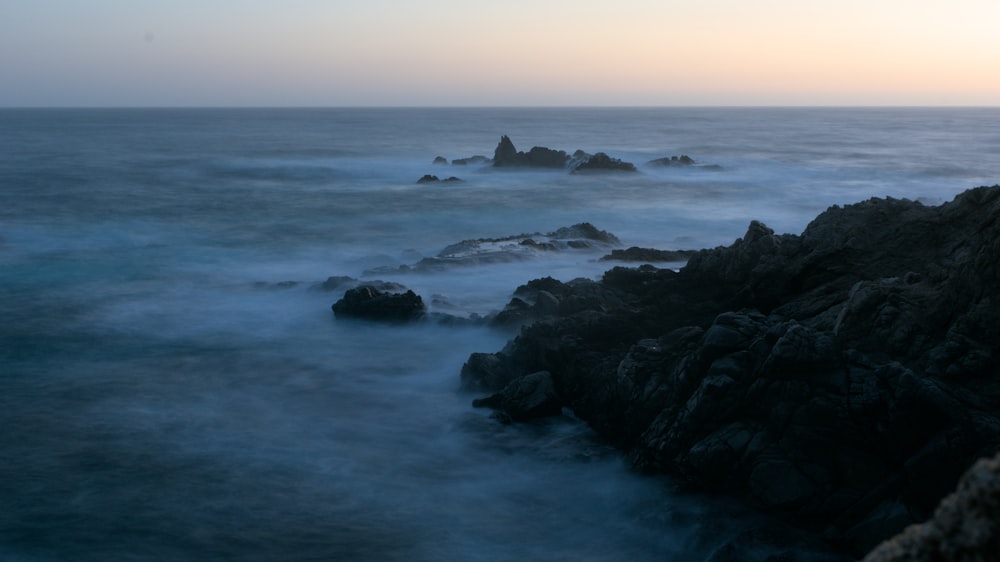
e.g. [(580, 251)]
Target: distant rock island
[(506, 155), (842, 379)]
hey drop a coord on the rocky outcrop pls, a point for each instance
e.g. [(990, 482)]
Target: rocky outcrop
[(670, 161), (648, 255), (370, 303), (506, 155), (682, 161), (582, 236), (965, 526), (528, 397), (602, 162), (440, 160), (428, 178), (843, 378)]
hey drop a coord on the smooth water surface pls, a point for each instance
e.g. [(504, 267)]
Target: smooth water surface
[(173, 385)]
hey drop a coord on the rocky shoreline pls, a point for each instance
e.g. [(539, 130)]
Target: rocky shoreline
[(842, 379)]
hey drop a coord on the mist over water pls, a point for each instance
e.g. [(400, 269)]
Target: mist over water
[(174, 386)]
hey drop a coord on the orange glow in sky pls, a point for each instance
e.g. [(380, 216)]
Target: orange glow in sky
[(545, 52)]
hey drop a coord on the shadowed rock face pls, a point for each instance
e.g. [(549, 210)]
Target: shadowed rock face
[(843, 378), (965, 526)]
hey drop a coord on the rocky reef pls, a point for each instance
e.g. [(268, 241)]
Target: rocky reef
[(581, 236), (506, 155), (842, 379)]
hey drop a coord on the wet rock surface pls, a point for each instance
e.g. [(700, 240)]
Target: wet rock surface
[(842, 379), (370, 303), (578, 237)]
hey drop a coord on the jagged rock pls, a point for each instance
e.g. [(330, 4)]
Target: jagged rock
[(506, 155), (603, 162), (368, 302), (648, 255), (842, 378), (965, 526)]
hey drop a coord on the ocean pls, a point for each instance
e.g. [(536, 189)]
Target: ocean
[(175, 386)]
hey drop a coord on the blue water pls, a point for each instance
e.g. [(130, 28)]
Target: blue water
[(174, 387)]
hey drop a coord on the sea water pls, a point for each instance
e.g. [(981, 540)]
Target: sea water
[(174, 385)]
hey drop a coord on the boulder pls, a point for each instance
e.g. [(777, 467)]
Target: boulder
[(370, 303)]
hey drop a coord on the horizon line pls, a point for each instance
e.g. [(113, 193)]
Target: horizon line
[(539, 106)]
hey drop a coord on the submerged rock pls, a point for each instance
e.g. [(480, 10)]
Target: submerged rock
[(477, 159), (370, 303), (582, 237), (842, 378)]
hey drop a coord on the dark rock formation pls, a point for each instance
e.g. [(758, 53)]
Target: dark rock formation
[(440, 160), (965, 526), (427, 178), (583, 236), (370, 303), (477, 159), (648, 255), (682, 160), (528, 397), (843, 378), (506, 155), (602, 162)]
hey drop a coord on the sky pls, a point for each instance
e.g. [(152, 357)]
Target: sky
[(113, 53)]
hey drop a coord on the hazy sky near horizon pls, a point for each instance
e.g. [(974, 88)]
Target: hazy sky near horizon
[(517, 52)]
